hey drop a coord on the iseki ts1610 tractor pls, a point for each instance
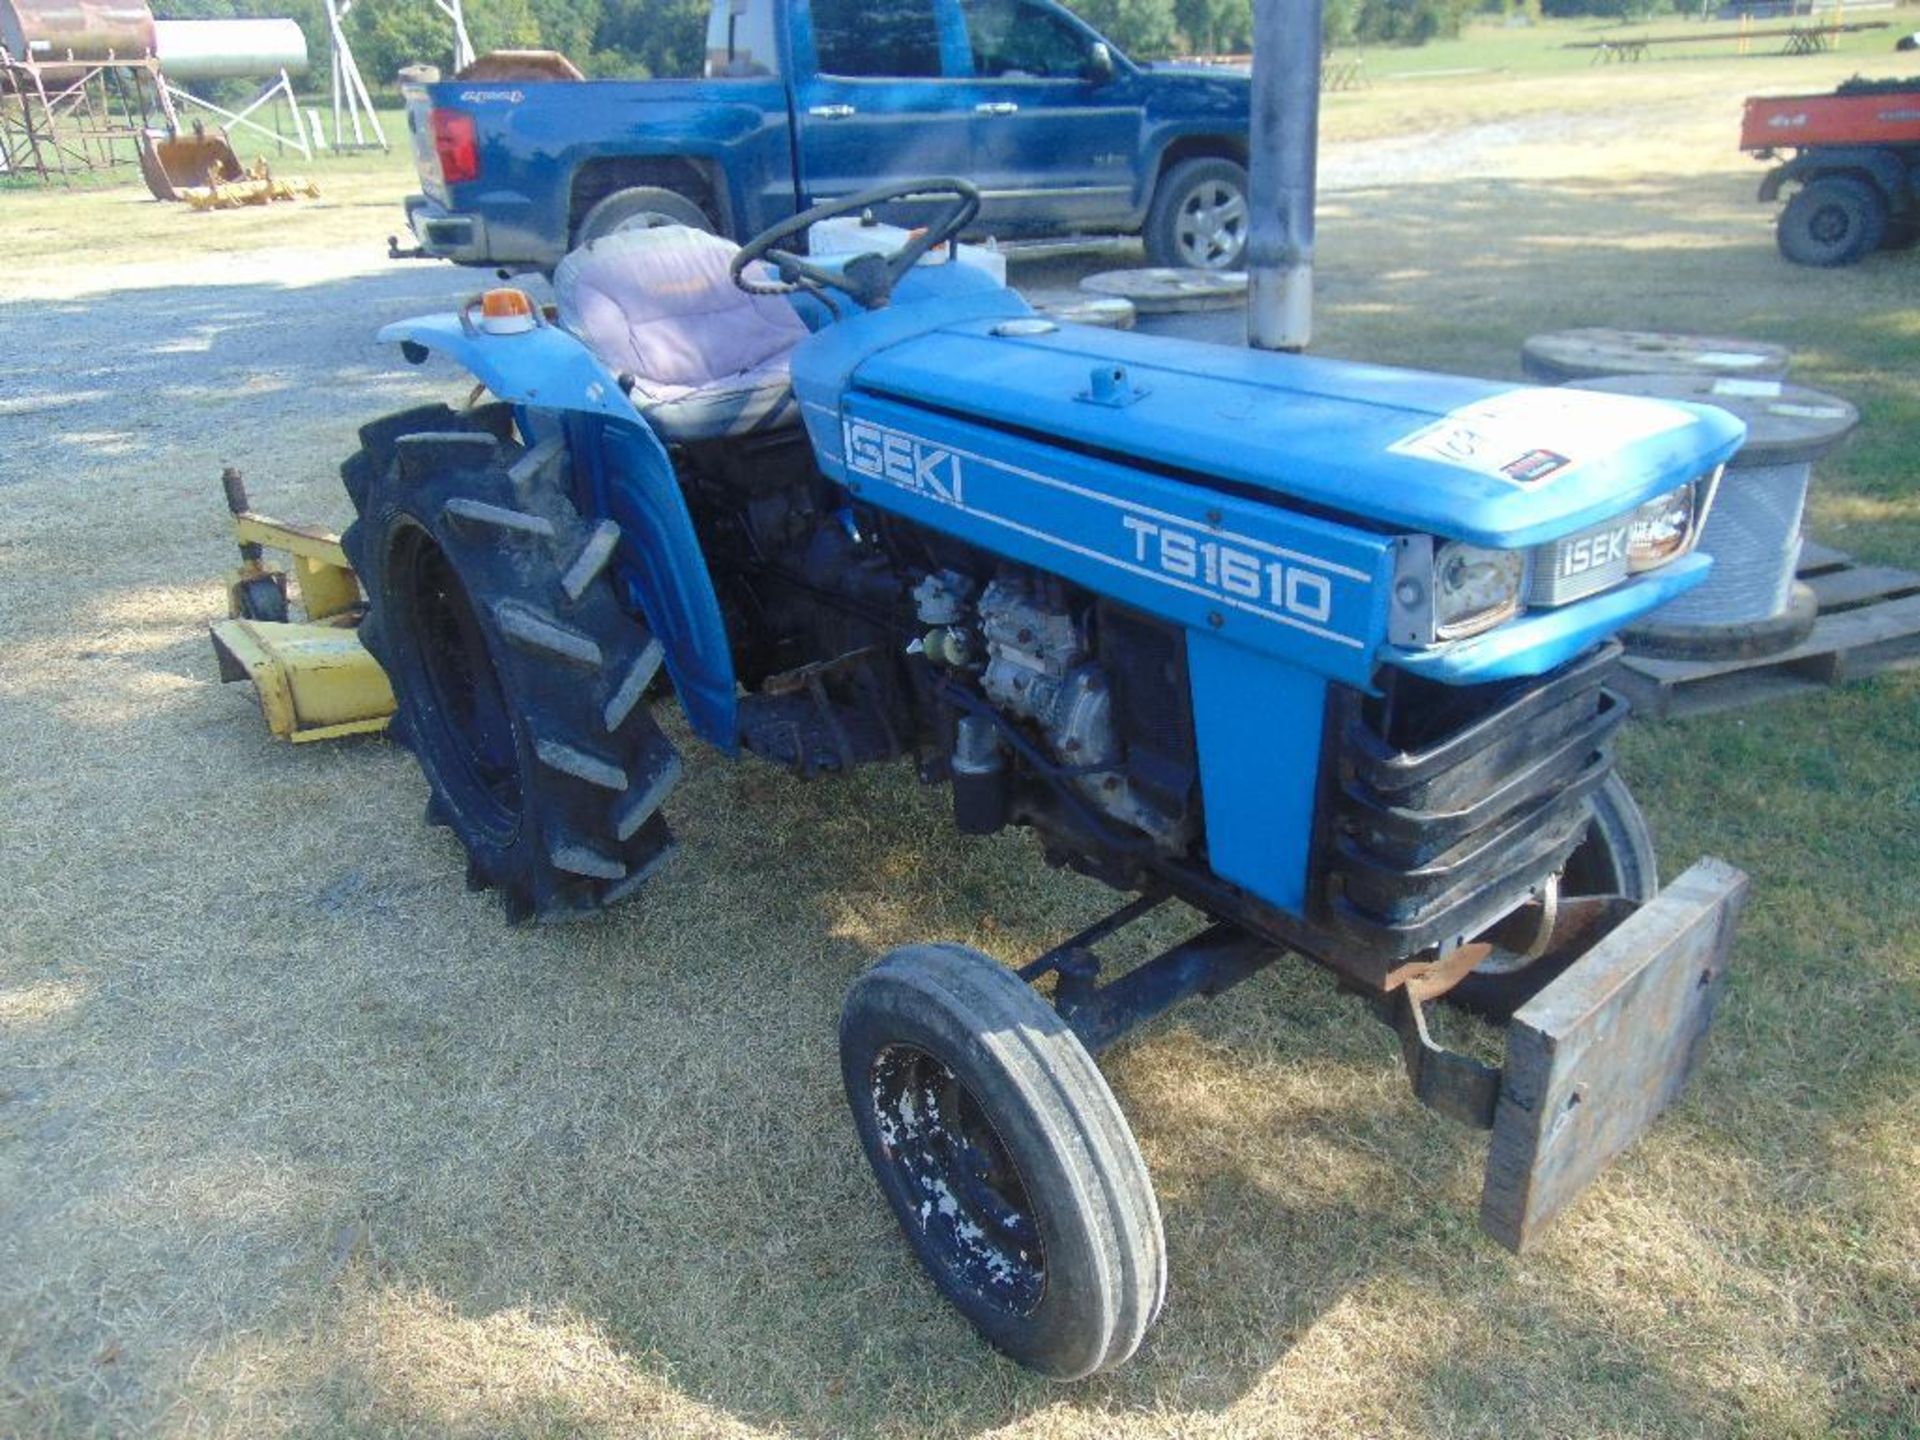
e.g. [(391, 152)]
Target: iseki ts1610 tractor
[(1319, 649)]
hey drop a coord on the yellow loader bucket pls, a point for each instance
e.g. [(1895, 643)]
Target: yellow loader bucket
[(172, 163)]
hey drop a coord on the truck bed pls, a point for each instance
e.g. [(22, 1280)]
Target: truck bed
[(1884, 114)]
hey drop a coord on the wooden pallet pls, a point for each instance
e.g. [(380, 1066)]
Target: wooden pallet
[(1869, 621)]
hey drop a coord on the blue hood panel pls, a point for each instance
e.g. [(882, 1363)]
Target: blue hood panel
[(1476, 460)]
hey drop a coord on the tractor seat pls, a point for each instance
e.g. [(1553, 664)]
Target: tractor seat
[(706, 359)]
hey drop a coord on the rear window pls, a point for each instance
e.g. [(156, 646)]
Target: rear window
[(876, 37)]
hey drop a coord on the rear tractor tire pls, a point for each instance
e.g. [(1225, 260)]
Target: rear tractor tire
[(517, 675), (1005, 1158)]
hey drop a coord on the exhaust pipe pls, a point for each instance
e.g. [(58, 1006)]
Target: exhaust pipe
[(1285, 136)]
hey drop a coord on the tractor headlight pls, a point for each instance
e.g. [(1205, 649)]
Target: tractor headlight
[(1474, 588), (1661, 529)]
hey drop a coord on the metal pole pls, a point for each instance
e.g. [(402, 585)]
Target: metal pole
[(1285, 139)]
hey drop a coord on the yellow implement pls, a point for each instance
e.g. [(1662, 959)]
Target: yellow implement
[(314, 678)]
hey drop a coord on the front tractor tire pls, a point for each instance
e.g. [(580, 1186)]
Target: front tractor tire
[(1616, 857), (1005, 1158), (517, 675)]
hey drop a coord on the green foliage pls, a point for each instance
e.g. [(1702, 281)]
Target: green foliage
[(504, 25), (640, 38), (1394, 22), (388, 34), (653, 37), (1144, 29), (1215, 27)]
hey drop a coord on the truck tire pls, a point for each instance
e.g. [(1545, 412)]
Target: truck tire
[(639, 207), (517, 675), (1199, 217), (1615, 858), (1005, 1158), (1835, 220)]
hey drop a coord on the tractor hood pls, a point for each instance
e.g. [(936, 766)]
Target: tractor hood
[(1395, 450)]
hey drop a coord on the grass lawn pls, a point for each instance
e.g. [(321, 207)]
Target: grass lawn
[(296, 1139)]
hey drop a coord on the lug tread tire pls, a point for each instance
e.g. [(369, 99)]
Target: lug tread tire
[(1099, 1220), (561, 659)]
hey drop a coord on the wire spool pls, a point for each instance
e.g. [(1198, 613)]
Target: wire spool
[(1075, 307), (1561, 356), (1192, 304), (1749, 604)]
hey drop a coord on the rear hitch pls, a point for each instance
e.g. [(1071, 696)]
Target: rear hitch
[(412, 252)]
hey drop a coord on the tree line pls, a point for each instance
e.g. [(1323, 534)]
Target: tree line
[(640, 38)]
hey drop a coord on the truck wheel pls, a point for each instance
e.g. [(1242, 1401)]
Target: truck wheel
[(639, 207), (1005, 1157), (1199, 217), (1616, 858), (516, 673), (1833, 221)]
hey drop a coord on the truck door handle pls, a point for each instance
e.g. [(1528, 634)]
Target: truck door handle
[(831, 112), (996, 107)]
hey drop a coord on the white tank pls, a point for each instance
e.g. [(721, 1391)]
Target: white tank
[(228, 49)]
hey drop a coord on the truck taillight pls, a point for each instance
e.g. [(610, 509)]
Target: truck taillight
[(453, 143)]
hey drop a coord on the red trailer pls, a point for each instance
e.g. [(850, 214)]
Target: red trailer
[(1855, 160)]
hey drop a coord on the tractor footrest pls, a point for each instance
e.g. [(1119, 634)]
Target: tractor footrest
[(1598, 1054), (316, 682), (810, 738)]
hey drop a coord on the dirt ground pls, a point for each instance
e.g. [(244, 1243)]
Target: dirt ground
[(296, 1138)]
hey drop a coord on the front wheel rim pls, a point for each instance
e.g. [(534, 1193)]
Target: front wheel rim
[(963, 1190), (1211, 227), (1830, 224)]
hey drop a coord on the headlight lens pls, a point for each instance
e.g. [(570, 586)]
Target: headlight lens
[(1474, 589), (1660, 529)]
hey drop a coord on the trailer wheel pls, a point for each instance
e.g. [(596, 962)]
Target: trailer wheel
[(516, 673), (1616, 858), (1833, 221), (1005, 1158), (1199, 217)]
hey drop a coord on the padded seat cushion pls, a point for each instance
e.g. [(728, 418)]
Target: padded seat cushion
[(657, 304)]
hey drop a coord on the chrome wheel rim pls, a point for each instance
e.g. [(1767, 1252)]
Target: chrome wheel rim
[(1211, 228)]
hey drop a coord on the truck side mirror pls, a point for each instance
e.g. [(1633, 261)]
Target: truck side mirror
[(1100, 63)]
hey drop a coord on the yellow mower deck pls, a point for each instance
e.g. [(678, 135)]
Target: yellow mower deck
[(315, 679)]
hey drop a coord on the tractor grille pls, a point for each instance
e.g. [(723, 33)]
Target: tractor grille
[(1447, 806)]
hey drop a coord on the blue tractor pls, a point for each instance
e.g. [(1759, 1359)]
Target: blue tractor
[(1319, 650)]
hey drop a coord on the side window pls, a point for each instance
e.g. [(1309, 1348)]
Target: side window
[(879, 38), (1021, 41), (740, 40)]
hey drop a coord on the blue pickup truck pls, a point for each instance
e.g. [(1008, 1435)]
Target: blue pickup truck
[(808, 100)]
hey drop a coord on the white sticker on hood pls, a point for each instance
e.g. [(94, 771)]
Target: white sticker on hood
[(1527, 435)]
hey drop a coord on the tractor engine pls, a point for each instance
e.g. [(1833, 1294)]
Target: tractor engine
[(1097, 693)]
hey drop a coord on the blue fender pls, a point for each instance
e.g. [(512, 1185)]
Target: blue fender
[(621, 471)]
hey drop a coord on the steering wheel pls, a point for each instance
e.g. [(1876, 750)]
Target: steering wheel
[(869, 279)]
